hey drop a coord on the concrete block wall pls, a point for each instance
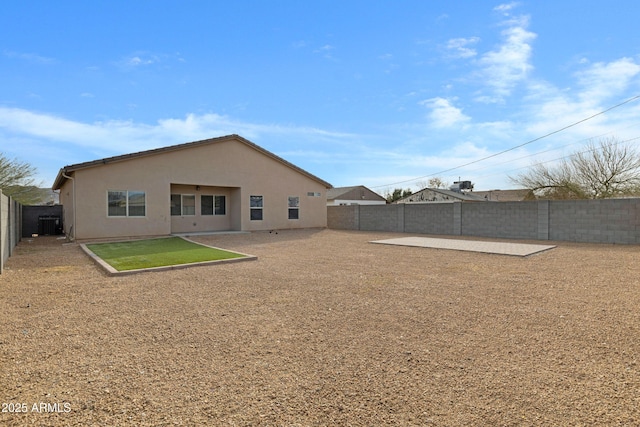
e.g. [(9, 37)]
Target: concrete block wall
[(511, 220), (543, 220), (597, 221), (345, 217), (436, 220), (382, 218)]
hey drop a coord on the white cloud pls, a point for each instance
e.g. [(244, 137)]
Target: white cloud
[(455, 154), (443, 114), (33, 58), (326, 51), (505, 67), (118, 136), (605, 80), (459, 47), (598, 87), (141, 59), (77, 142), (506, 7)]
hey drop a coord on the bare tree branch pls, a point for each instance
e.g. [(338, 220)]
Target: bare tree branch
[(16, 181), (607, 169)]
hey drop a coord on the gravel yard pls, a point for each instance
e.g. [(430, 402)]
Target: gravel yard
[(323, 329)]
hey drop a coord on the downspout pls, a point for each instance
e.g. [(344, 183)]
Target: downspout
[(72, 231)]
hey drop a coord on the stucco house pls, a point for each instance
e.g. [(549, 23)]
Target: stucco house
[(355, 195), (439, 195), (506, 195), (217, 184)]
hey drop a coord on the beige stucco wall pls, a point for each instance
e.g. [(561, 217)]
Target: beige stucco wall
[(229, 168), (198, 222)]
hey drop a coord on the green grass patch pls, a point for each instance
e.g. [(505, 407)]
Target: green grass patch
[(137, 254)]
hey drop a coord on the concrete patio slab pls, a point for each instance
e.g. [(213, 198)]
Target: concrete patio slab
[(501, 248)]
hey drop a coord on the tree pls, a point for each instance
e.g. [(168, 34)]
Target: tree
[(435, 182), (397, 194), (607, 169), (16, 181)]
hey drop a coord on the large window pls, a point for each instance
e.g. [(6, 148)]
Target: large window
[(206, 205), (176, 205), (117, 203), (294, 207), (126, 203), (220, 205), (212, 205), (256, 205), (183, 204)]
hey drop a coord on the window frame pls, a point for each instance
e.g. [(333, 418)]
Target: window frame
[(144, 203), (128, 194), (172, 196), (183, 197), (220, 208), (207, 205), (293, 207), (254, 209), (218, 205), (182, 210)]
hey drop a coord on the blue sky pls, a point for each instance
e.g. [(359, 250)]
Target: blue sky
[(377, 93)]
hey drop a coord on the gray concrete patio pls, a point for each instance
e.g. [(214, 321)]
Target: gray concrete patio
[(501, 248)]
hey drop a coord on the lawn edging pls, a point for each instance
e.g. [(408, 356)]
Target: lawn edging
[(111, 271)]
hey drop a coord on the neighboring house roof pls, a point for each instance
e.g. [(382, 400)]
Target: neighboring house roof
[(442, 196), (504, 195), (60, 179), (356, 192)]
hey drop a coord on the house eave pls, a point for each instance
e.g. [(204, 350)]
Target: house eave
[(66, 170)]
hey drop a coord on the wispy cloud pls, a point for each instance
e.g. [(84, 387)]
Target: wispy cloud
[(33, 58), (461, 47), (506, 7), (118, 136), (597, 87), (326, 51), (140, 59), (77, 142), (607, 80), (509, 64), (443, 114)]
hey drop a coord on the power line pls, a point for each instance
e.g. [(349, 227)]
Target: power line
[(549, 150), (590, 150), (517, 146)]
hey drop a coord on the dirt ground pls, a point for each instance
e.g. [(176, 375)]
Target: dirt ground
[(324, 329)]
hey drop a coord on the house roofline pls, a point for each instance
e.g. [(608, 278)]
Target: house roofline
[(66, 170), (449, 193), (345, 190)]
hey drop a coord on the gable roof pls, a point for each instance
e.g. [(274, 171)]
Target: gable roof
[(450, 194), (504, 195), (470, 197), (336, 193), (60, 179)]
